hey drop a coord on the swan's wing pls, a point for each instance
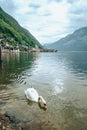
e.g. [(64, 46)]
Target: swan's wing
[(32, 94), (26, 94)]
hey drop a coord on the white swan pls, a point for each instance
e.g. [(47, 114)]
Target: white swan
[(31, 94)]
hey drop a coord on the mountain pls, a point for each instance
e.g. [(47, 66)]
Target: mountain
[(14, 33), (77, 41)]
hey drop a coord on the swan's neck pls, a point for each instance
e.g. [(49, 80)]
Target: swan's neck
[(40, 99), (42, 103)]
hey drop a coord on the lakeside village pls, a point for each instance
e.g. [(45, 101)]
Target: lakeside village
[(6, 47)]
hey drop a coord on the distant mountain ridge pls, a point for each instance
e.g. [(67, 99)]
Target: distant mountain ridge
[(10, 29), (77, 41)]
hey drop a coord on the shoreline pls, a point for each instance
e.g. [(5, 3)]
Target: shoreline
[(8, 122)]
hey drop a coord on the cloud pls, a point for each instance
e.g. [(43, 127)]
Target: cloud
[(77, 14), (8, 5), (48, 20)]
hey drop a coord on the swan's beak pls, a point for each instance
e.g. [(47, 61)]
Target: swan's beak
[(45, 107)]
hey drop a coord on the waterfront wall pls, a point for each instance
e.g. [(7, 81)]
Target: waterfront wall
[(0, 55)]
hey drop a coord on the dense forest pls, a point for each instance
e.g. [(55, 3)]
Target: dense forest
[(14, 34)]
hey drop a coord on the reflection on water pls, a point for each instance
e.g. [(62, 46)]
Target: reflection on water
[(59, 77), (13, 64), (77, 62)]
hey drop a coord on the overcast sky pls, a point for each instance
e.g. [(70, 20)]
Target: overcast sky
[(48, 20)]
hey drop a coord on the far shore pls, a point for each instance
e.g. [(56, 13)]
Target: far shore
[(35, 50)]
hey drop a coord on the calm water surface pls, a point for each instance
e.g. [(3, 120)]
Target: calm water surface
[(61, 78)]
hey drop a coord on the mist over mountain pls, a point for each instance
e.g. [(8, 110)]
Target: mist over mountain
[(77, 41)]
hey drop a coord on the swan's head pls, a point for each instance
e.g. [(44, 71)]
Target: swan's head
[(42, 103)]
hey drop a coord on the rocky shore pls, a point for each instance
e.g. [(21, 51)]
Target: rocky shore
[(8, 122), (5, 123)]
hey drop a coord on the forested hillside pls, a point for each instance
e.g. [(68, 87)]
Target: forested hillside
[(14, 33)]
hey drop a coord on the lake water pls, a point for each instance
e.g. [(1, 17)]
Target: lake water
[(61, 78)]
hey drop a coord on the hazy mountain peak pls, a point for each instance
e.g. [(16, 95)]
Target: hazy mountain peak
[(77, 41)]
